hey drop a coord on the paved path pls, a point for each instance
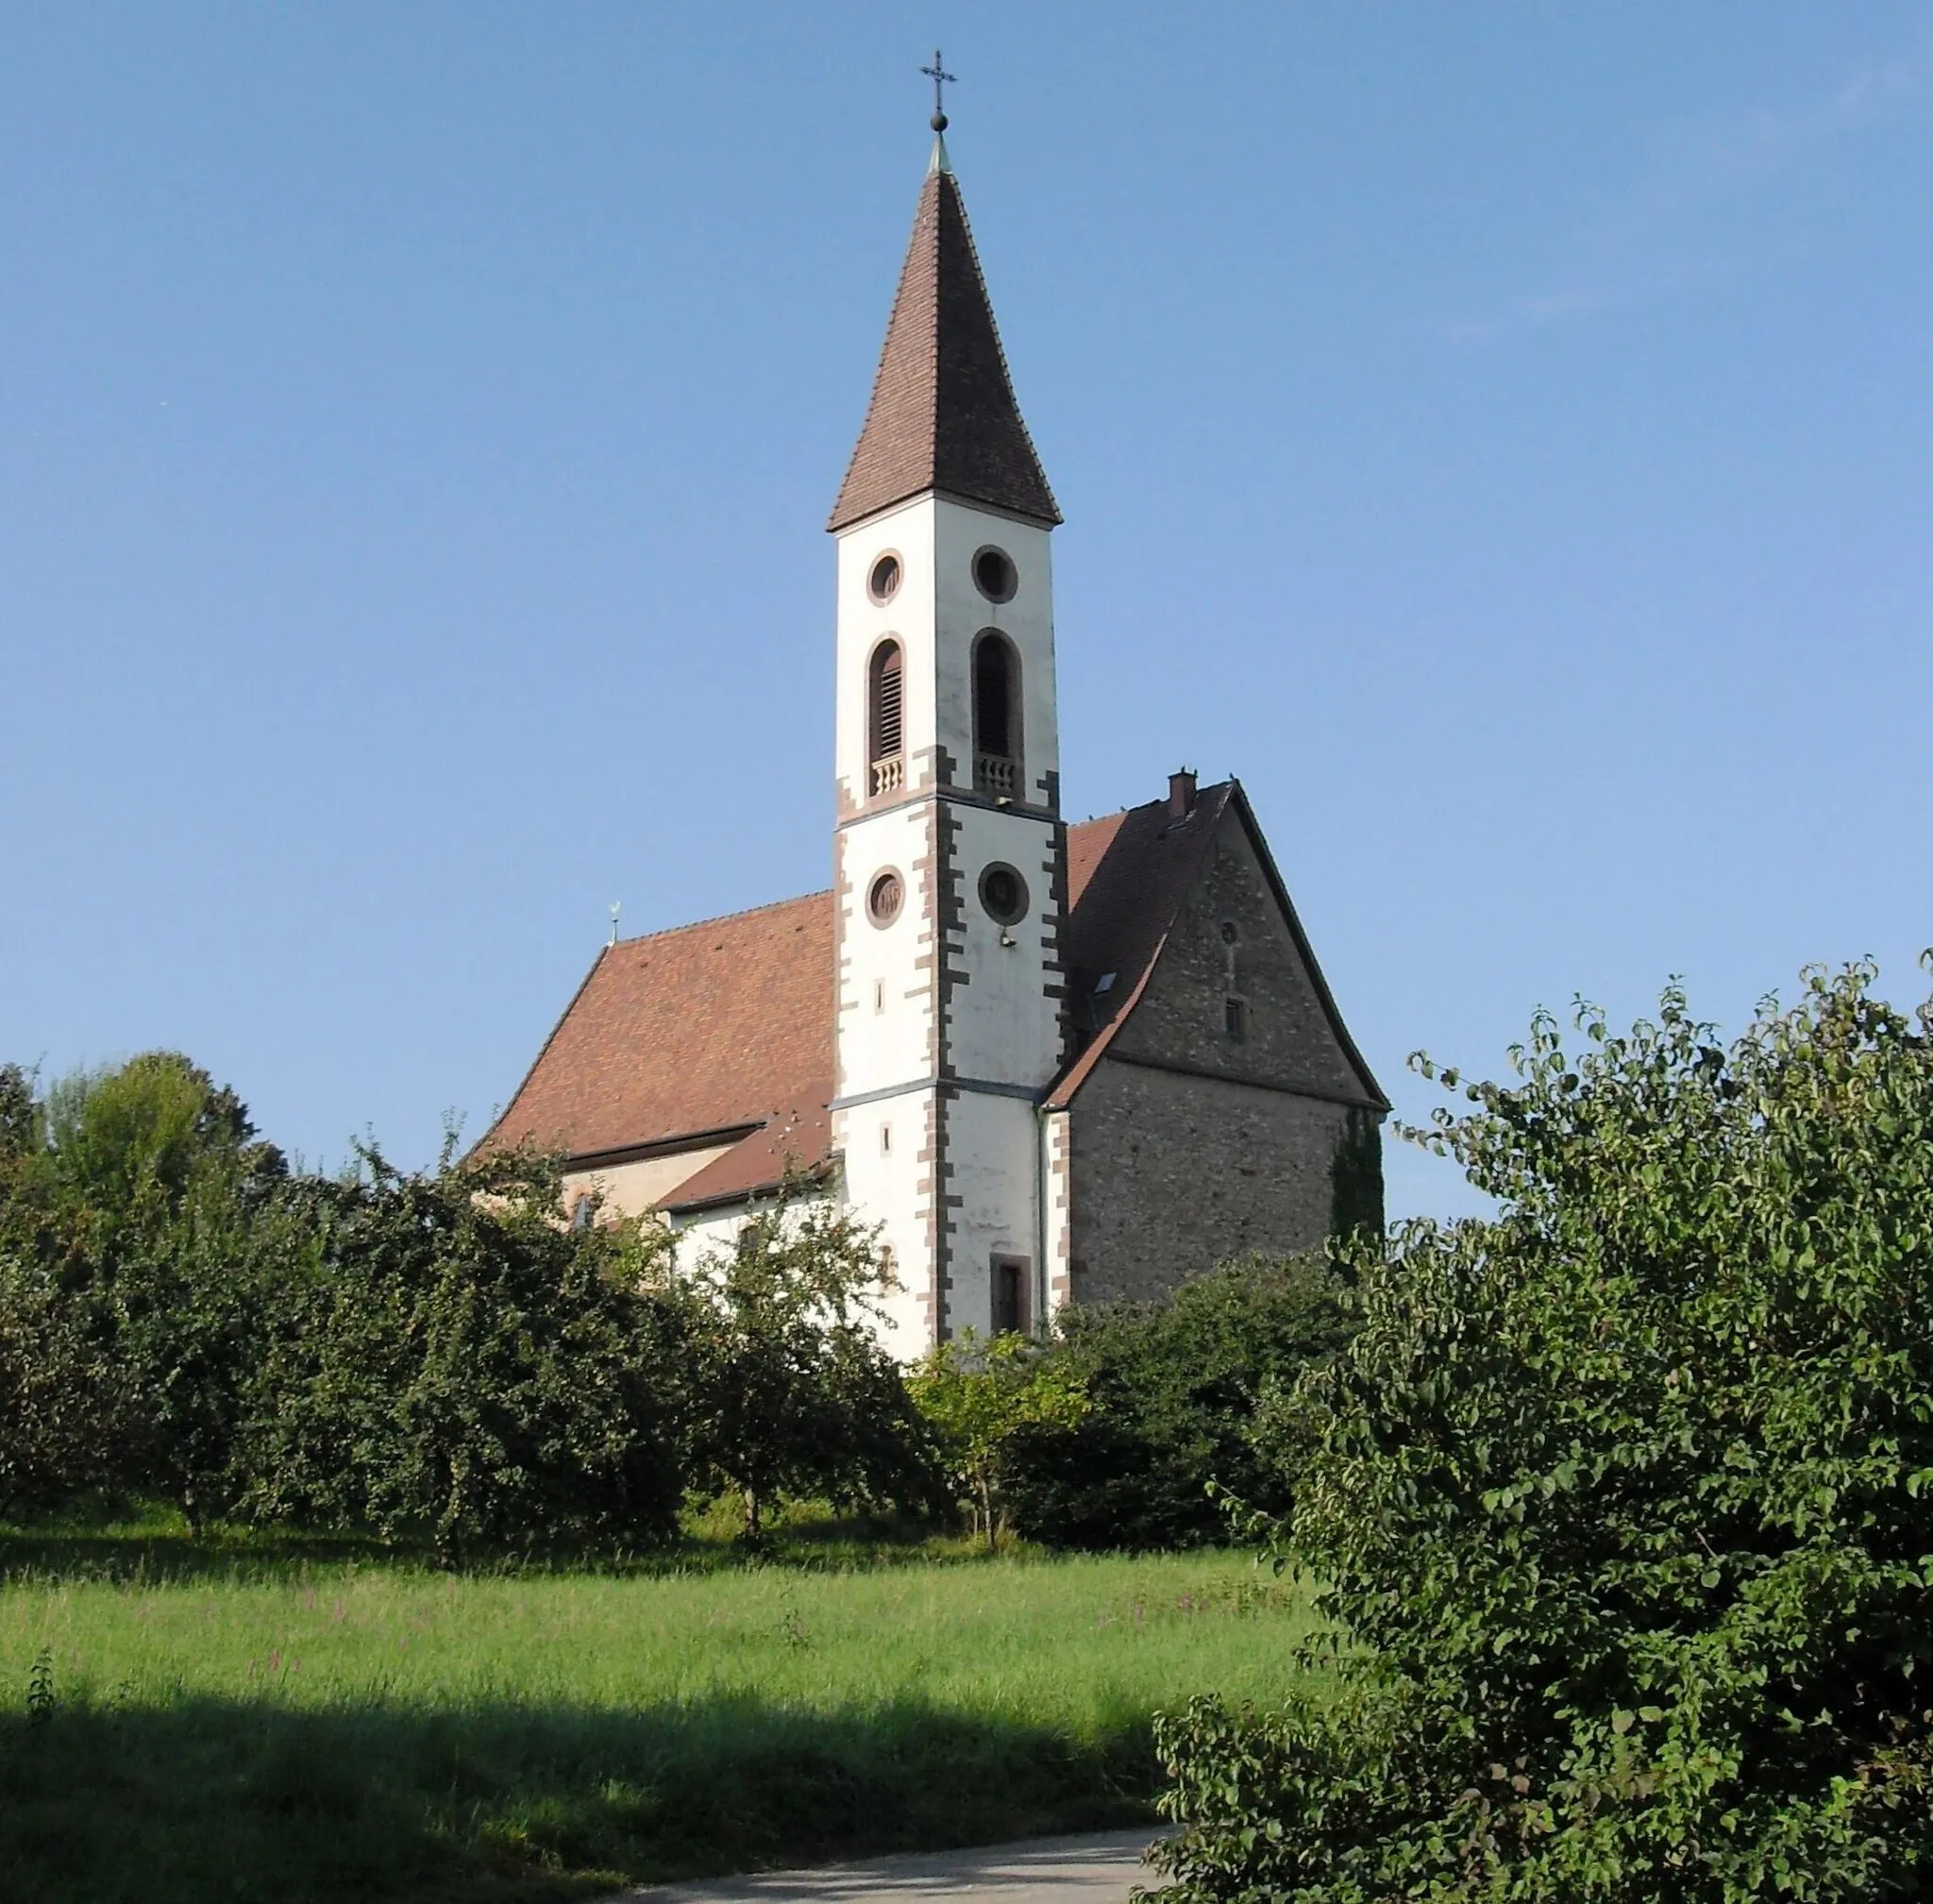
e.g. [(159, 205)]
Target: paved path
[(1100, 1868)]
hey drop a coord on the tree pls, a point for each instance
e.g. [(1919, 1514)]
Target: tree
[(19, 1115), (64, 1406), (794, 1393), (1175, 1392), (981, 1396), (457, 1362), (1617, 1503), (126, 1202)]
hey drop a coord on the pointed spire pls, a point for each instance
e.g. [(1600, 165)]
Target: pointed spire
[(942, 415)]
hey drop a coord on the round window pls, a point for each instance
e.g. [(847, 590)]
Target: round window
[(994, 574), (1229, 933), (884, 897), (1004, 893), (882, 584)]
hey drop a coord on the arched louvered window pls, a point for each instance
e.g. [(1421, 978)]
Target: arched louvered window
[(996, 715), (886, 717)]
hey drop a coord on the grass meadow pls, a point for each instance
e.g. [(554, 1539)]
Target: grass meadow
[(193, 1721)]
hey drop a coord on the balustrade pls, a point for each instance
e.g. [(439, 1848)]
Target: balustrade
[(996, 774)]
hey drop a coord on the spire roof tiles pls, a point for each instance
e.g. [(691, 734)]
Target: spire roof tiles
[(942, 415)]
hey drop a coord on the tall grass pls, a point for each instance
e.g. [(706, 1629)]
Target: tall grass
[(359, 1731)]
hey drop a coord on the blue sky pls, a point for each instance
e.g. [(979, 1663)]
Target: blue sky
[(1502, 435)]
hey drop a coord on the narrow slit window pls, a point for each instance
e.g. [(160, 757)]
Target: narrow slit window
[(1010, 1295), (1235, 1020)]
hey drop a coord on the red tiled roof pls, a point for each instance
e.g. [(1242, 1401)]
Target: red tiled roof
[(797, 1140), (943, 414), (728, 1023)]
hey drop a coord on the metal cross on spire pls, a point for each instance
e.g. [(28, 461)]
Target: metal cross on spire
[(939, 75)]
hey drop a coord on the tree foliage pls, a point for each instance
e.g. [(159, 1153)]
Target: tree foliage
[(793, 1393), (429, 1354), (455, 1361), (1619, 1503), (65, 1410), (981, 1396), (126, 1204), (1175, 1394)]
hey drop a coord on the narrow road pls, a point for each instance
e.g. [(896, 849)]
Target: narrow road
[(1100, 1868)]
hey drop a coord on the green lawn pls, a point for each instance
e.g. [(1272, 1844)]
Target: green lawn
[(290, 1729)]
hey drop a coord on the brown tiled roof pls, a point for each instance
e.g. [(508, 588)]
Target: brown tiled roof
[(712, 1027), (800, 1138), (1127, 877), (942, 415), (723, 1024)]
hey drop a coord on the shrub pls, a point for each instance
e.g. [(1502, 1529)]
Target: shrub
[(1617, 1502), (65, 1406), (453, 1360), (791, 1392), (981, 1398), (126, 1204), (1173, 1391)]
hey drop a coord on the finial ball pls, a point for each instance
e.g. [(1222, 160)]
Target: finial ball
[(939, 122)]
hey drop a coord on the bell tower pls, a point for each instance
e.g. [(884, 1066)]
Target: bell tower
[(949, 848)]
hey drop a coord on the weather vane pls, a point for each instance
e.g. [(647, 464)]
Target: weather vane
[(940, 76)]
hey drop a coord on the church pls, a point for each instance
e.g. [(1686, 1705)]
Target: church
[(1053, 1064)]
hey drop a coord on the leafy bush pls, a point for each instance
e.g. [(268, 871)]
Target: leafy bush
[(981, 1397), (64, 1406), (59, 1412), (126, 1204), (452, 1359), (792, 1392), (1618, 1502), (409, 1353), (1172, 1391)]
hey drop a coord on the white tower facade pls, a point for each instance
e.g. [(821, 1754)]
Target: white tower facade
[(951, 851)]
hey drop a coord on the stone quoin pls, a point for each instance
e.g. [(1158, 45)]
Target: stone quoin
[(1053, 1064)]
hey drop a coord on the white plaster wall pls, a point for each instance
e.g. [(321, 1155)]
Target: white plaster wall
[(934, 616), (992, 1144), (959, 531), (1000, 1024), (714, 1232), (883, 1183), (902, 1326), (908, 532), (630, 1189), (885, 998), (708, 1232)]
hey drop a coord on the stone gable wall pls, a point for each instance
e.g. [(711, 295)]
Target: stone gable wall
[(1172, 1174), (1180, 1018), (1187, 1146)]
